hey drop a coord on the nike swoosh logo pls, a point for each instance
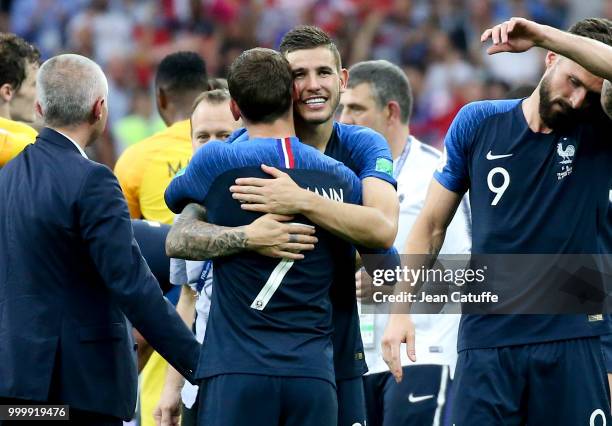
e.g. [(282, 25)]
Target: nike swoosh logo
[(414, 399), (490, 156)]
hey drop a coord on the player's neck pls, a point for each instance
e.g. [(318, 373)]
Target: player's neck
[(281, 128), (315, 135), (531, 111), (397, 140), (178, 116)]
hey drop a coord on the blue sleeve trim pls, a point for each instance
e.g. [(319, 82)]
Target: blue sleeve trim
[(366, 148), (379, 175), (453, 171), (193, 183)]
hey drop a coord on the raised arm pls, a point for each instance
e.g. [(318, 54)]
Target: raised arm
[(374, 224), (519, 35), (192, 238)]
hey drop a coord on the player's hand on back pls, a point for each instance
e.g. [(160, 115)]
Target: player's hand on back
[(280, 195), (400, 329), (515, 35), (272, 235)]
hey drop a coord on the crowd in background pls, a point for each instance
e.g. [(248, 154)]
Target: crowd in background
[(434, 41)]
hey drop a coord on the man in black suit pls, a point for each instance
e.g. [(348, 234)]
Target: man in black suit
[(70, 270)]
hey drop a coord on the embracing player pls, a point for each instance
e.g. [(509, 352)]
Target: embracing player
[(318, 80), (269, 356)]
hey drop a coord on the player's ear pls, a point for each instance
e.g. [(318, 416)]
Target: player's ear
[(235, 110), (550, 59), (393, 112), (162, 98), (38, 109), (344, 77), (6, 92), (96, 113)]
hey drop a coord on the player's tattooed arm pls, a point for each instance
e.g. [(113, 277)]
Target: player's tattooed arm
[(192, 238), (606, 97)]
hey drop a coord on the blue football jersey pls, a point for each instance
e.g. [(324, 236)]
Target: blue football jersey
[(531, 193), (268, 316), (361, 149), (367, 154)]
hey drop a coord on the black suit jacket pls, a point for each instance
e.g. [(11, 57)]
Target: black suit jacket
[(69, 271)]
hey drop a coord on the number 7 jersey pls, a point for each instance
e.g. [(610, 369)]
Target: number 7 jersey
[(531, 193), (268, 316)]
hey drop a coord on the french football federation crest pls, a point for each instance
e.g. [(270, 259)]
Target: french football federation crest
[(567, 157)]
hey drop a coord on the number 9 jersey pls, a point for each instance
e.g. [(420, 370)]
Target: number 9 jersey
[(531, 193)]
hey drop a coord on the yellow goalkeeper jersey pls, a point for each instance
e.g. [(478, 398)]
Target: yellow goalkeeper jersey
[(14, 137), (145, 169)]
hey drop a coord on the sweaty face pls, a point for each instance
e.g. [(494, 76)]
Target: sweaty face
[(317, 82), (212, 122), (22, 104), (567, 93), (359, 107)]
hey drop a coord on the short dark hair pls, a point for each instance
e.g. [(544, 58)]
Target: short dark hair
[(15, 55), (309, 37), (388, 83), (261, 83), (181, 73), (599, 29)]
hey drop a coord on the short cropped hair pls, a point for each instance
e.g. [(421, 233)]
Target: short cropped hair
[(181, 73), (213, 97), (388, 83), (67, 86), (15, 55), (309, 37), (217, 83), (261, 83), (599, 29)]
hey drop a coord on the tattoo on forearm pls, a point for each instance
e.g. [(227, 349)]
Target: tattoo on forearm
[(192, 239), (606, 97)]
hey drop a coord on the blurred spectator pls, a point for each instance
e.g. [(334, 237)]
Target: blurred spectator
[(140, 123), (107, 31), (439, 38), (42, 22)]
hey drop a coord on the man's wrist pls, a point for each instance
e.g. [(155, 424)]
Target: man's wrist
[(249, 240), (306, 202)]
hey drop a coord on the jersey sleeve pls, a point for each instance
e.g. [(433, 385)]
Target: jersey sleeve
[(238, 135), (129, 173), (370, 153), (191, 185), (354, 184), (452, 173)]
